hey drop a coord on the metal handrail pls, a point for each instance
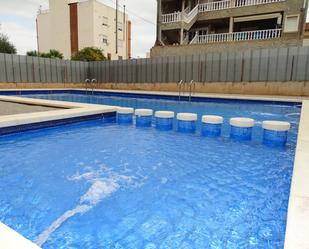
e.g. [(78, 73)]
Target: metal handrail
[(93, 81), (179, 88), (86, 85), (192, 83)]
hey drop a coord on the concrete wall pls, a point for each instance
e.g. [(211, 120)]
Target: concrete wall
[(177, 50)]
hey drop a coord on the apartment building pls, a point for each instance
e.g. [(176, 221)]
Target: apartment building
[(194, 26), (306, 35), (69, 26)]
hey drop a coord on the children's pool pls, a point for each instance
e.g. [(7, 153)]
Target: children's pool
[(98, 184)]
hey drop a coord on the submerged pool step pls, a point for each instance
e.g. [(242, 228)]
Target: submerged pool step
[(125, 115), (143, 117), (211, 125), (164, 120), (275, 133), (241, 128), (186, 122)]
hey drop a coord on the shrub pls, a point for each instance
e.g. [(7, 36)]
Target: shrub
[(89, 54)]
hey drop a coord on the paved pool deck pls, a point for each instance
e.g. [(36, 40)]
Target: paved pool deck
[(62, 110), (11, 108)]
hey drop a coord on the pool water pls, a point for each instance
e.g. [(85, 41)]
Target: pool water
[(98, 184), (259, 111)]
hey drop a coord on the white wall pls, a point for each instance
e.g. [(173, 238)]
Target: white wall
[(43, 22), (101, 11), (54, 28), (85, 25)]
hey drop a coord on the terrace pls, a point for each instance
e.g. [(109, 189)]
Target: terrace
[(237, 36), (187, 15)]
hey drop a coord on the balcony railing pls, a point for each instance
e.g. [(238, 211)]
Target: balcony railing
[(241, 3), (43, 11), (173, 17), (216, 5), (238, 36), (212, 6), (187, 16), (227, 4)]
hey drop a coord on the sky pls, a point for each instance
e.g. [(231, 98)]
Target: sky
[(17, 19)]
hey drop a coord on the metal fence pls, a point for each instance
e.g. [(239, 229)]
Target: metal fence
[(17, 68), (276, 64)]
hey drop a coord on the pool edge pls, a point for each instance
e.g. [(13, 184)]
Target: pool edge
[(13, 239), (297, 227), (71, 112), (185, 95)]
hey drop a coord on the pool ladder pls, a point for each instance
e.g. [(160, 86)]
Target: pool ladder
[(90, 84), (180, 84), (182, 89), (191, 89)]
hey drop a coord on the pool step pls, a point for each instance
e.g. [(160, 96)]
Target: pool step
[(275, 133)]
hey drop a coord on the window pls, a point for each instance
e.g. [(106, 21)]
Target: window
[(120, 26), (105, 40), (105, 21), (291, 23)]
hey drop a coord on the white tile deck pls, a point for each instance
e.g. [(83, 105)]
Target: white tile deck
[(297, 231), (206, 95), (9, 239), (213, 95), (72, 110)]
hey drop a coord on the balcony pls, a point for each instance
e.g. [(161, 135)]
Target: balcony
[(212, 6), (43, 11), (237, 36), (187, 16)]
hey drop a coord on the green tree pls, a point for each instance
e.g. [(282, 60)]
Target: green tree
[(51, 54), (6, 46), (89, 54)]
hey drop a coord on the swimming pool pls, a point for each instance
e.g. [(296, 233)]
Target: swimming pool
[(102, 185)]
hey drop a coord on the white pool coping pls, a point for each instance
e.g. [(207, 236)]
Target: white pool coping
[(209, 95), (73, 110), (10, 239), (297, 235), (297, 230), (277, 98)]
